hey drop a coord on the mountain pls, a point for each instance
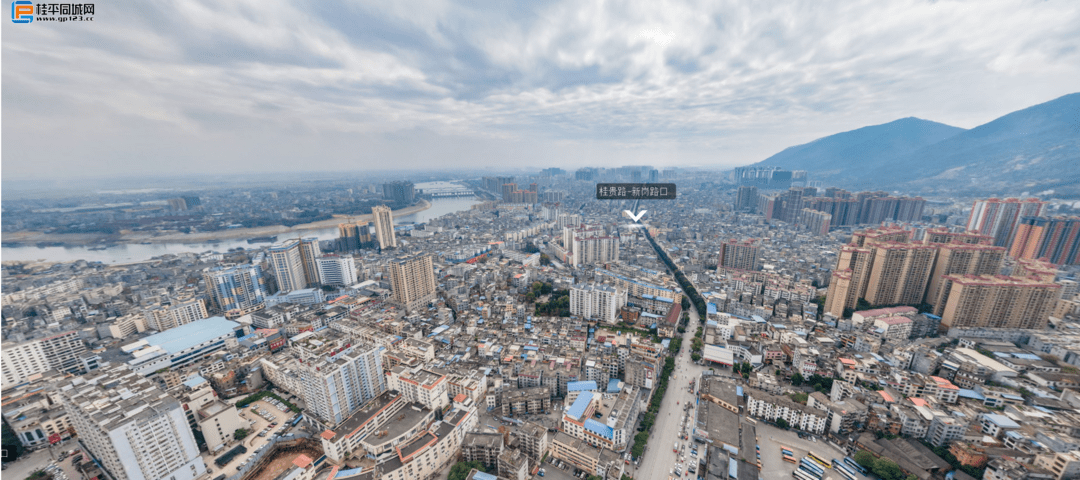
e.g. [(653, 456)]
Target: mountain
[(1030, 150), (1033, 150), (842, 158)]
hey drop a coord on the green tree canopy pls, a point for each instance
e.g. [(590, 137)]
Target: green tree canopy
[(780, 422), (864, 459), (887, 469), (797, 379), (461, 470)]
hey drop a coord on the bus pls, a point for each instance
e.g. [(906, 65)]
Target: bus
[(789, 458), (802, 475), (820, 460), (849, 462), (813, 467), (846, 472), (808, 471)]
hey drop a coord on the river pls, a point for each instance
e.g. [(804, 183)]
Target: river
[(127, 253)]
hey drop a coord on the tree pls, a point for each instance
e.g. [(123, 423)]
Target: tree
[(780, 422), (11, 439), (460, 470), (545, 260), (864, 458), (887, 469), (595, 477), (695, 356), (800, 397), (240, 433), (797, 379)]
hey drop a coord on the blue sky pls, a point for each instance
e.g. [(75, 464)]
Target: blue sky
[(229, 87)]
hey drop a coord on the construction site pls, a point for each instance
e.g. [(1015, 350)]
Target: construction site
[(282, 456)]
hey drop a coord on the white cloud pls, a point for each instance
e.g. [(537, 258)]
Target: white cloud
[(660, 82)]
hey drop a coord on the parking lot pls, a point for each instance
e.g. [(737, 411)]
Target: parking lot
[(257, 423), (773, 465)]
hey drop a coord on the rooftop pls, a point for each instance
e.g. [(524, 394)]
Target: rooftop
[(175, 340)]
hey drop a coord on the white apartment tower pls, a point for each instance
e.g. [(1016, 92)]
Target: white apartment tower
[(339, 383), (62, 351), (337, 270), (601, 302), (136, 430), (384, 226), (180, 312)]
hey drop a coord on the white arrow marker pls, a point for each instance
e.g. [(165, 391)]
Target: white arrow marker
[(635, 217)]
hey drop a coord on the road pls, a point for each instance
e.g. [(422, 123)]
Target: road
[(658, 459)]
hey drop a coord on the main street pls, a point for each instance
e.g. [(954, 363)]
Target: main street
[(658, 459)]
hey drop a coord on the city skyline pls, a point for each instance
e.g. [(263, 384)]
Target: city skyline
[(196, 88)]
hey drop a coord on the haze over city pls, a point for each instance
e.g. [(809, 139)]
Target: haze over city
[(438, 240), (230, 87)]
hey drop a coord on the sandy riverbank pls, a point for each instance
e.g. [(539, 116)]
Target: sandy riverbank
[(81, 239)]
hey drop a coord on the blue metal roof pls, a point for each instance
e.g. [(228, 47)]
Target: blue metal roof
[(194, 381), (348, 473), (599, 429), (733, 468), (176, 340), (738, 390), (484, 476), (578, 408), (587, 385), (613, 385), (965, 393), (531, 347), (1001, 421), (710, 308)]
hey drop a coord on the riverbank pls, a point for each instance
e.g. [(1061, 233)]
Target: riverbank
[(102, 239)]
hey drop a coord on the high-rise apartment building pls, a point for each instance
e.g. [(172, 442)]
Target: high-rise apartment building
[(400, 192), (999, 218), (63, 352), (1056, 239), (816, 222), (884, 267), (594, 250), (413, 280), (599, 302), (746, 199), (337, 270), (172, 315), (337, 381), (849, 279), (899, 274), (944, 235), (132, 428), (960, 259), (294, 263), (739, 255), (384, 226), (309, 257), (21, 360), (239, 288), (998, 301), (353, 236)]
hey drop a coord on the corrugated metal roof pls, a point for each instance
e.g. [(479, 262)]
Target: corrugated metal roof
[(586, 385), (599, 429), (578, 408), (175, 340)]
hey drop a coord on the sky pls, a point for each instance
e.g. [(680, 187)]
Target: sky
[(227, 87)]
